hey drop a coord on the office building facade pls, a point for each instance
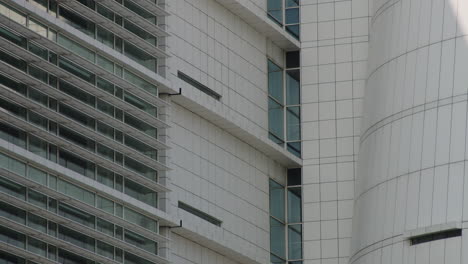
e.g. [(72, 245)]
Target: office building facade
[(227, 131)]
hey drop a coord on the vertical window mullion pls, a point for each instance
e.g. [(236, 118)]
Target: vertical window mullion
[(284, 99), (286, 231), (283, 13)]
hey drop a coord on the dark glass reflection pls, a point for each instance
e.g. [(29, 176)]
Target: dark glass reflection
[(293, 30), (292, 16)]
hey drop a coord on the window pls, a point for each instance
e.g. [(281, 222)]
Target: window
[(11, 237), (137, 102), (289, 9), (141, 193), (70, 258), (77, 21), (135, 53), (12, 213), (140, 11), (77, 215), (286, 220), (76, 164), (140, 32), (18, 40), (284, 103), (275, 103), (141, 220), (76, 238), (132, 259), (76, 70), (75, 192), (277, 222), (275, 10), (37, 247), (141, 242), (76, 48)]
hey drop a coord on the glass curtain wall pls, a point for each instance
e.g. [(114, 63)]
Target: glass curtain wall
[(286, 220), (293, 103), (275, 103), (275, 11), (290, 11), (292, 15), (103, 35), (57, 110), (284, 103), (294, 213)]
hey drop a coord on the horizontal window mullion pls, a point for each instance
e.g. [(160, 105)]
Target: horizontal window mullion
[(276, 100), (277, 137), (279, 220)]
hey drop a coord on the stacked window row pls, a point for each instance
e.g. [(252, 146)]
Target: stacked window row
[(72, 190), (101, 34), (101, 127), (81, 165), (284, 103), (76, 48), (76, 92), (69, 112), (122, 21), (60, 231), (290, 10), (79, 116), (76, 138), (286, 220)]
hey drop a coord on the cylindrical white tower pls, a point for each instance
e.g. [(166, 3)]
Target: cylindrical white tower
[(412, 171)]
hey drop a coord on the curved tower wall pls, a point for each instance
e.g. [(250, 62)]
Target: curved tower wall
[(412, 169)]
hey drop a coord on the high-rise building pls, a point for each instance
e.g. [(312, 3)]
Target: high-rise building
[(233, 131)]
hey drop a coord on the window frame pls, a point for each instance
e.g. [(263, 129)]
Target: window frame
[(287, 224), (283, 21), (283, 140)]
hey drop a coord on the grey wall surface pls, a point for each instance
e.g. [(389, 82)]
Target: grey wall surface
[(334, 46), (412, 162)]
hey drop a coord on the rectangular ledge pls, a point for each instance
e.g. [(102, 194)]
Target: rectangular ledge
[(263, 144), (257, 18), (432, 229)]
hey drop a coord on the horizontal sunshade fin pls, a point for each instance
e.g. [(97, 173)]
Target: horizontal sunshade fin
[(198, 85), (435, 236), (200, 214)]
